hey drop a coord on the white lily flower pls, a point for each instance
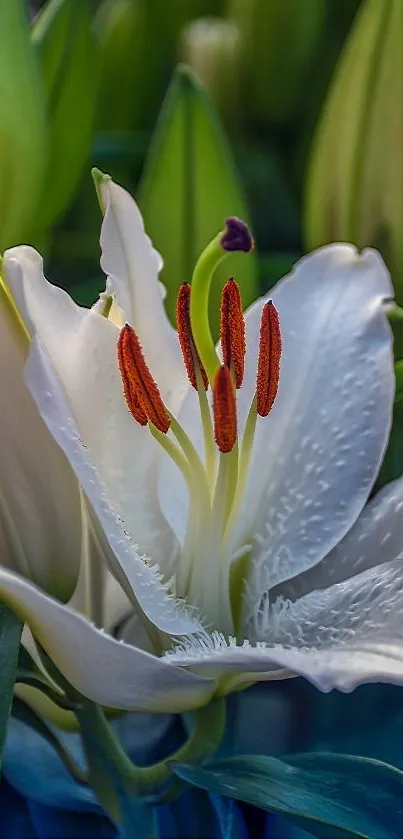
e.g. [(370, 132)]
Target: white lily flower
[(255, 550), (40, 508)]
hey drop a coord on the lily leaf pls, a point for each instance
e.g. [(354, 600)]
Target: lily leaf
[(66, 50), (189, 187), (326, 794), (10, 637)]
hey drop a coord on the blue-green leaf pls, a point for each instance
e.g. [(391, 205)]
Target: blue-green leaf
[(326, 794), (10, 637), (189, 187), (66, 50)]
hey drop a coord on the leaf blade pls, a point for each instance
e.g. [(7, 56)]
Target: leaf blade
[(356, 797)]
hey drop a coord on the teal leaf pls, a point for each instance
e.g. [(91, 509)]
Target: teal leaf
[(10, 637), (189, 187), (324, 793), (66, 51)]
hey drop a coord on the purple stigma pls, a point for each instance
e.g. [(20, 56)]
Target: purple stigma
[(236, 236)]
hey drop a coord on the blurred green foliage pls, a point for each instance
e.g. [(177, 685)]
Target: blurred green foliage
[(310, 148)]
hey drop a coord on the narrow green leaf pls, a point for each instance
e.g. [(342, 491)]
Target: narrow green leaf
[(66, 50), (22, 125), (10, 637), (354, 796), (189, 187)]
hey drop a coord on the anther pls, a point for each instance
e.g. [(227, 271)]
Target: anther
[(268, 371), (224, 410), (141, 392), (232, 330), (236, 236), (190, 355)]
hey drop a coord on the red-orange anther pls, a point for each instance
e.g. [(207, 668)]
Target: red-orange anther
[(232, 330), (141, 392), (224, 410), (190, 355), (268, 369)]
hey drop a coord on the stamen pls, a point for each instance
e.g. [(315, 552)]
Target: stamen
[(268, 372), (190, 355), (139, 383), (224, 410), (232, 330)]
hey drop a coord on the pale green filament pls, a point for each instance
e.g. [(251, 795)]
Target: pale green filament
[(211, 257), (244, 460), (208, 434), (225, 490)]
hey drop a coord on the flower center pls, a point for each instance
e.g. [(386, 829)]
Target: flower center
[(215, 483)]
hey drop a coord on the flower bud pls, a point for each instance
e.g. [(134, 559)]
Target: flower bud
[(22, 125), (355, 176), (211, 47)]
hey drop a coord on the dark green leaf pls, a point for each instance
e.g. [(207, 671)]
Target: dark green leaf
[(189, 187), (10, 637), (326, 794)]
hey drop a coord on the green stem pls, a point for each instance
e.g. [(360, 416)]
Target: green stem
[(113, 774)]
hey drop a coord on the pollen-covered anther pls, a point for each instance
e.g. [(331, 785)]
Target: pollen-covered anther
[(224, 410), (232, 330), (190, 355), (141, 392), (268, 371)]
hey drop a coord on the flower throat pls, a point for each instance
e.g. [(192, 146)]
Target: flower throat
[(216, 483)]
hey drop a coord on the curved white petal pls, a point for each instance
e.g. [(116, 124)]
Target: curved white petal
[(132, 267), (40, 509), (347, 635), (316, 456), (376, 537), (126, 563), (103, 669), (80, 398)]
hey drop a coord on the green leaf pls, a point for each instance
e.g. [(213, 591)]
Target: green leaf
[(189, 187), (66, 50), (354, 796), (10, 637), (22, 125)]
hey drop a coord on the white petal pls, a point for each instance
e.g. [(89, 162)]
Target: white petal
[(132, 266), (317, 454), (347, 635), (111, 456), (126, 563), (40, 509), (376, 537), (103, 669)]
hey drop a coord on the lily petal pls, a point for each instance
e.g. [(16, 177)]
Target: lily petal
[(316, 456), (347, 635), (93, 427), (103, 669), (132, 266), (40, 508), (377, 536)]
